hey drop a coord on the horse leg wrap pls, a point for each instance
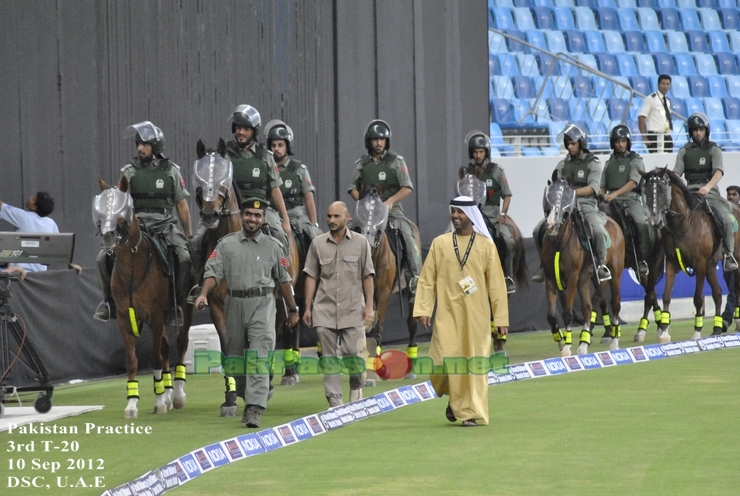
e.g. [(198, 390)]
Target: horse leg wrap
[(718, 323), (296, 356), (413, 352), (499, 337), (644, 324), (557, 336), (318, 349), (167, 379), (288, 357), (230, 383), (607, 321), (594, 315), (180, 374), (699, 321), (616, 331), (585, 337), (657, 313), (132, 389), (736, 314), (665, 318), (158, 386), (568, 337)]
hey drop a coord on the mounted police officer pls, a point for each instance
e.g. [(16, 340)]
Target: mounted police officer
[(156, 185), (383, 166), (297, 188), (255, 172), (619, 184), (582, 170), (497, 188), (700, 161)]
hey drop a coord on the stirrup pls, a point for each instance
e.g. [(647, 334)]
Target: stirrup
[(729, 263), (103, 312), (539, 276), (176, 316), (193, 294), (642, 268), (510, 286), (603, 273), (412, 288)]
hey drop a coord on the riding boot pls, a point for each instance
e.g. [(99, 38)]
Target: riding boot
[(104, 265), (599, 246), (729, 263), (539, 276), (183, 280)]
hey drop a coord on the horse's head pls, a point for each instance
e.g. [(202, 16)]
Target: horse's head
[(371, 214), (470, 185), (558, 202), (367, 189), (212, 181), (113, 212), (656, 195)]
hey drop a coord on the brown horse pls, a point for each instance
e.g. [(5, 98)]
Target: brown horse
[(690, 243), (142, 293), (568, 267)]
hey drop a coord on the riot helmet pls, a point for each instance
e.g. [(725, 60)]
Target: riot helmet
[(620, 132), (245, 116), (575, 133), (278, 130), (377, 129), (146, 132), (698, 120), (478, 139)]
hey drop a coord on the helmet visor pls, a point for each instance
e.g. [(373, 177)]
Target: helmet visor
[(279, 130), (146, 130), (111, 205), (212, 173), (245, 114)]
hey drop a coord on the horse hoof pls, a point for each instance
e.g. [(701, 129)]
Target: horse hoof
[(614, 344), (410, 376), (179, 402), (582, 349), (565, 352), (288, 380), (369, 383), (159, 409), (664, 338), (130, 414), (640, 336), (606, 340), (696, 336), (228, 411)]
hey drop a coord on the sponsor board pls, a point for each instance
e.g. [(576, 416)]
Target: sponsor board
[(202, 458), (690, 346), (331, 420), (383, 402), (589, 361), (572, 363), (621, 357), (409, 395), (605, 358), (396, 398), (358, 410), (270, 439), (673, 349), (638, 354), (250, 444), (654, 351), (731, 340), (344, 413), (232, 449), (286, 434), (301, 429), (711, 343), (519, 371), (314, 423), (190, 465), (537, 368), (217, 454), (426, 391), (171, 475), (555, 366), (371, 405)]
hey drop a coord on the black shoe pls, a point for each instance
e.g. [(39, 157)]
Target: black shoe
[(105, 310), (253, 415), (176, 317), (412, 288), (510, 286), (729, 263), (642, 269), (603, 273), (539, 276)]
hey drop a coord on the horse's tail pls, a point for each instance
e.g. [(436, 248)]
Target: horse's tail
[(521, 271)]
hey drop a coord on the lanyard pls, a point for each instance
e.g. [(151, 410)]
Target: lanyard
[(457, 250)]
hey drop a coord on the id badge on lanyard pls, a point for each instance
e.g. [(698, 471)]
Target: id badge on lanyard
[(467, 283)]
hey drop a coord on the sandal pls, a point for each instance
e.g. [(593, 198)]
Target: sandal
[(470, 423), (450, 416)]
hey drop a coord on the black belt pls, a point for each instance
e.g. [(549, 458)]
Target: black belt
[(152, 210), (250, 293)]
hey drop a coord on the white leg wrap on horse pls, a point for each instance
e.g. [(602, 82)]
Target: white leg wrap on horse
[(582, 349), (565, 351), (614, 344), (179, 398), (696, 336), (640, 336), (131, 412)]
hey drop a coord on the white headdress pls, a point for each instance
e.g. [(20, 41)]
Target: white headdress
[(468, 205)]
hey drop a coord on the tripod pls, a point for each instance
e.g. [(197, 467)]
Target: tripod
[(26, 354)]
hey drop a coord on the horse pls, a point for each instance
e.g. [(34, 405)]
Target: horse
[(690, 242), (568, 267), (372, 215), (655, 269), (142, 292)]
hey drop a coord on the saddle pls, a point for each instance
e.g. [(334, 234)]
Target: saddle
[(301, 241), (398, 247), (498, 240), (161, 244), (585, 233), (717, 220)]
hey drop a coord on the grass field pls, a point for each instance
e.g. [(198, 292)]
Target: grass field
[(664, 427)]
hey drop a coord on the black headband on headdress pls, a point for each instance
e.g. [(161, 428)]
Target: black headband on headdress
[(463, 203)]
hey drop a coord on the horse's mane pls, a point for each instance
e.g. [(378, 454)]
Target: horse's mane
[(691, 199)]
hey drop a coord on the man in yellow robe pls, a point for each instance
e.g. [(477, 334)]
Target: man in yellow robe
[(462, 276)]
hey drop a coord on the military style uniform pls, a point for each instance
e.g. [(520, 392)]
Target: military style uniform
[(296, 184), (391, 169), (618, 170), (252, 269), (155, 188), (698, 162)]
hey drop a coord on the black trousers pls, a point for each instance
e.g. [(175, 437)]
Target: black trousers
[(652, 143)]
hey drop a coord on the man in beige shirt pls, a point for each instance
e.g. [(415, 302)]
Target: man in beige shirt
[(339, 270), (654, 118)]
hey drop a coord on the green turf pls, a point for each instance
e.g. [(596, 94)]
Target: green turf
[(662, 427)]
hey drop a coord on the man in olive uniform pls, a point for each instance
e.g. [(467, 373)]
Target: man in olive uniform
[(297, 188), (497, 187), (700, 161), (255, 172), (253, 264), (582, 170), (155, 184), (383, 166), (619, 183)]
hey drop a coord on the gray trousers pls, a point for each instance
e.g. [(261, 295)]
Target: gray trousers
[(341, 343), (273, 218), (724, 208), (596, 219), (645, 236), (299, 219), (412, 252)]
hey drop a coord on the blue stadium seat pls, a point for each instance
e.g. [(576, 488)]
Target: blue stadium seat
[(587, 59), (694, 105), (501, 3), (575, 41), (607, 64), (697, 41), (635, 106), (549, 65), (655, 42), (493, 67), (613, 41), (582, 87), (719, 133), (664, 63), (626, 4), (578, 109), (594, 41), (539, 106), (685, 64), (597, 109), (734, 37), (561, 87), (502, 113), (634, 41), (626, 64), (556, 41), (550, 151), (717, 86), (627, 20), (585, 19), (669, 19), (603, 88), (705, 65), (732, 107), (726, 63), (729, 18), (641, 84), (718, 41), (622, 88), (607, 18), (558, 109), (497, 139), (699, 86), (522, 115), (563, 18), (543, 84), (523, 18), (709, 4), (689, 19), (543, 17), (725, 4), (514, 44), (502, 87), (605, 3), (667, 3), (714, 110), (645, 65), (686, 4), (507, 63), (496, 43), (733, 85), (598, 136), (733, 131), (527, 64), (502, 18), (530, 151), (677, 42), (523, 87), (709, 19), (648, 19), (564, 3), (618, 109), (678, 107), (591, 4), (537, 38), (649, 4), (679, 87)]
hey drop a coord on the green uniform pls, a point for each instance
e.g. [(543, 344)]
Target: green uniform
[(392, 171), (618, 170), (698, 162), (497, 188), (250, 320), (583, 171), (156, 189), (296, 184)]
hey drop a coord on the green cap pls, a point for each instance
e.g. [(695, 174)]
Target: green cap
[(254, 203)]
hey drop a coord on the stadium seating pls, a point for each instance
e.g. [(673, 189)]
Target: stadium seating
[(731, 106), (634, 41), (699, 86), (717, 86)]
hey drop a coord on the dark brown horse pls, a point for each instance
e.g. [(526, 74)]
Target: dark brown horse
[(143, 295), (690, 243), (568, 267)]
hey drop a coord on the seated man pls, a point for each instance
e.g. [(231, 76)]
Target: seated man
[(35, 218)]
